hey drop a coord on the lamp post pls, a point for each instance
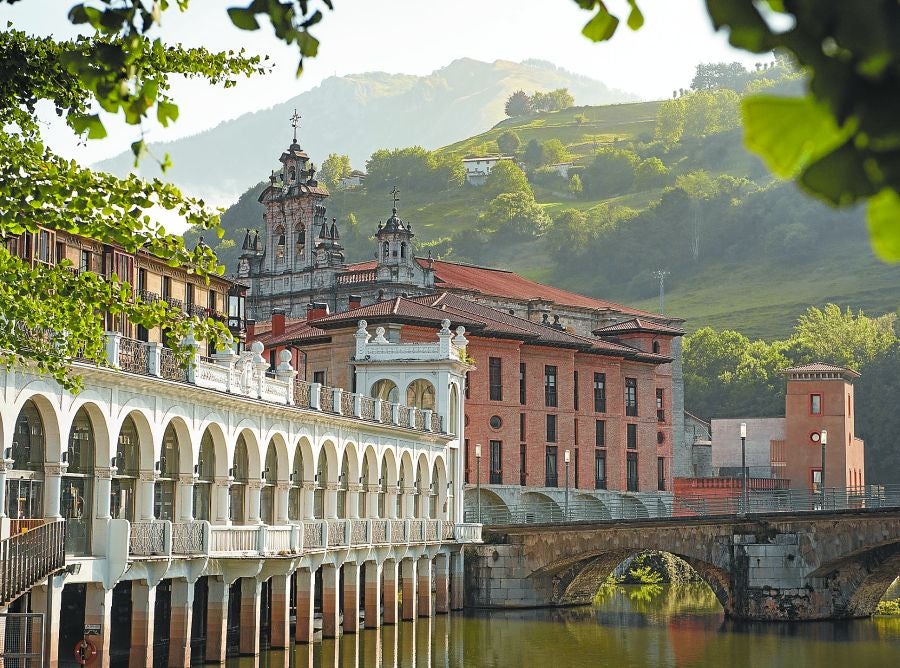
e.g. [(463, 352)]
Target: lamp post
[(478, 477), (822, 478), (566, 457), (744, 500)]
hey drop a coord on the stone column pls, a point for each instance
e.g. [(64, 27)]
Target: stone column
[(216, 619), (457, 580), (184, 498), (351, 597), (305, 596), (250, 605), (353, 492), (103, 482), (144, 502), (254, 492), (52, 486), (372, 492), (180, 621), (390, 503), (281, 603), (282, 503), (143, 608), (47, 600), (442, 583), (373, 595), (98, 610), (330, 609), (309, 500), (424, 587), (408, 572), (331, 509), (219, 514), (391, 582)]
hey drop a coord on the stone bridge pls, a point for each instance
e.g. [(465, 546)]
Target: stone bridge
[(774, 567)]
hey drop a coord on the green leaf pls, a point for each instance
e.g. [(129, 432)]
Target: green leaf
[(243, 18), (601, 27), (840, 177), (165, 112), (139, 148), (883, 220), (90, 123), (635, 17), (789, 133)]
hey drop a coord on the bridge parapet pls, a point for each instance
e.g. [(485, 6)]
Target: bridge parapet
[(776, 567)]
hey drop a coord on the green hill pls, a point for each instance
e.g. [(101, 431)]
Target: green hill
[(746, 253)]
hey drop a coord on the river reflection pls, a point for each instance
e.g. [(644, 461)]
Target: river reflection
[(627, 627)]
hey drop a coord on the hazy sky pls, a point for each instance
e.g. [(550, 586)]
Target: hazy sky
[(413, 37)]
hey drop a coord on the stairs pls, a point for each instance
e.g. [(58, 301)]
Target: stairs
[(29, 557)]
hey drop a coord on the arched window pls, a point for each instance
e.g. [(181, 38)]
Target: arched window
[(124, 482), (435, 494), (403, 250), (25, 483), (420, 393), (77, 485), (164, 489), (364, 493), (343, 486), (453, 417), (240, 471), (300, 241), (206, 475), (386, 390), (292, 174), (280, 242), (270, 478), (386, 250), (656, 346), (295, 502), (321, 483)]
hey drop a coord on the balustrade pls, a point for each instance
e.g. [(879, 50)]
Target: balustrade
[(326, 400), (420, 420), (301, 393), (380, 530), (347, 403), (398, 531), (366, 407), (133, 356), (432, 531), (278, 539), (386, 412), (313, 535), (337, 533), (149, 538), (189, 537), (402, 416), (359, 534), (233, 539)]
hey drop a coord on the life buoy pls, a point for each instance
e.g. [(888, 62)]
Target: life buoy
[(85, 652)]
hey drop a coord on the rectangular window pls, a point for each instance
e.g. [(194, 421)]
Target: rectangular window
[(496, 379), (575, 390), (576, 432), (600, 469), (631, 436), (189, 295), (211, 300), (631, 408), (551, 429), (45, 246), (661, 474), (599, 392), (632, 468), (466, 462), (522, 393), (600, 434), (60, 251), (523, 471), (142, 280), (817, 480), (467, 385), (522, 435), (815, 404), (551, 478), (550, 385), (166, 287), (660, 405), (319, 377), (496, 462), (272, 359), (85, 262)]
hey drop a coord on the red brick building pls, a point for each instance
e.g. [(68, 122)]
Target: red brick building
[(539, 389)]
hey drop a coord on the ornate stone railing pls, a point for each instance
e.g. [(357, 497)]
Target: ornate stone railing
[(416, 531), (420, 420), (366, 407), (132, 356), (448, 531), (380, 531), (359, 532), (233, 539), (278, 539), (169, 367), (347, 403), (386, 411), (190, 537), (398, 531), (301, 393), (337, 533), (151, 538), (403, 416), (326, 400), (432, 531), (313, 535), (468, 533)]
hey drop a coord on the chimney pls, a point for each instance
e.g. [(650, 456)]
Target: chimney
[(251, 328), (316, 310), (354, 301), (278, 321)]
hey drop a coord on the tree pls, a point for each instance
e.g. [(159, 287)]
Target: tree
[(670, 121), (534, 154), (116, 66), (515, 215), (508, 142), (518, 104), (554, 152), (506, 177), (842, 338), (334, 168), (575, 185), (555, 100), (710, 76), (650, 173), (839, 140), (611, 172), (569, 234), (413, 168)]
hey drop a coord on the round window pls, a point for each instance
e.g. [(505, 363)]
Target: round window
[(660, 437), (815, 437), (495, 422)]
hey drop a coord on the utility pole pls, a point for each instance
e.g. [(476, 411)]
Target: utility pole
[(661, 277)]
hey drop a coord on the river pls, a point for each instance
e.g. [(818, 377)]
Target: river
[(627, 627)]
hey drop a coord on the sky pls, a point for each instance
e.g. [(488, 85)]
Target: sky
[(403, 36)]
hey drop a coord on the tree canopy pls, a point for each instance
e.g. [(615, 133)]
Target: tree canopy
[(334, 168)]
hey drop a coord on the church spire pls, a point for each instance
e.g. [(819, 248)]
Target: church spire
[(295, 121)]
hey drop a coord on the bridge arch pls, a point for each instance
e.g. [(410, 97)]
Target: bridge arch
[(592, 507), (862, 578), (493, 509)]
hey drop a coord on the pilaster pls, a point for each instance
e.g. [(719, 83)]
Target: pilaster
[(408, 577), (351, 597), (373, 594), (281, 601), (143, 608), (305, 597), (330, 608), (180, 621), (216, 619), (424, 587), (250, 604)]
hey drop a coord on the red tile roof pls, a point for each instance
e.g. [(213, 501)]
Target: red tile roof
[(821, 367), (293, 331), (637, 325), (505, 283)]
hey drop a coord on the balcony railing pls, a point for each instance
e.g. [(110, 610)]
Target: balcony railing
[(28, 557), (152, 538), (248, 375)]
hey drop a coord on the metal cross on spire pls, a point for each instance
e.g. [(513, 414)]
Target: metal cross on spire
[(295, 121), (395, 195)]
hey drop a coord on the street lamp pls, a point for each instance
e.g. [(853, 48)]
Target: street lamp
[(478, 477), (566, 457), (744, 501), (824, 442)]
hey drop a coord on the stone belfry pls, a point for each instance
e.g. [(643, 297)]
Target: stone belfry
[(279, 259), (396, 258)]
